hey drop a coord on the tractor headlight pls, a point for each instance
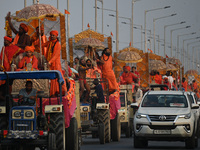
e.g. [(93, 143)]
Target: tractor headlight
[(17, 114), (28, 114), (85, 109)]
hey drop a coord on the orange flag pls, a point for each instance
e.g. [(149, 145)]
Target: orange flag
[(88, 25), (167, 56), (111, 33), (130, 44), (150, 50), (67, 12)]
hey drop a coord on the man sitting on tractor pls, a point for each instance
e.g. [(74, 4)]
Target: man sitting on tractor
[(99, 91), (127, 77), (27, 95)]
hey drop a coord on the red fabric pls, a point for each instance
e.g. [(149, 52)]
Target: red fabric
[(24, 26), (36, 43), (158, 79), (69, 71), (10, 52), (8, 38), (128, 68), (115, 105), (184, 85), (128, 78), (33, 60)]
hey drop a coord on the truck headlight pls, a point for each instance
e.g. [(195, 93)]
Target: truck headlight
[(186, 116), (138, 116), (28, 114), (17, 114)]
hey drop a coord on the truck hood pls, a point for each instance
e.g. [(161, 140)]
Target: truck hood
[(163, 111)]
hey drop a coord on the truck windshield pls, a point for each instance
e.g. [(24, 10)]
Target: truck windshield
[(165, 101)]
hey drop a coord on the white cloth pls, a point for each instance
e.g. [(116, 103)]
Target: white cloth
[(138, 96)]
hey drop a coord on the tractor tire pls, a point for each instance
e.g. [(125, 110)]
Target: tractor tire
[(72, 138), (128, 131), (51, 141), (116, 128), (57, 126), (3, 122), (101, 129), (104, 117)]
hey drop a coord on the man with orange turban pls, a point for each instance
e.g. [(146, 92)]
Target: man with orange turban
[(127, 77), (36, 41), (29, 58), (22, 39), (54, 63), (9, 52)]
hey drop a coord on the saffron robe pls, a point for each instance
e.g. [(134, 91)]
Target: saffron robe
[(25, 60)]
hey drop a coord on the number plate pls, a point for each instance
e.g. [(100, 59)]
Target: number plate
[(162, 131)]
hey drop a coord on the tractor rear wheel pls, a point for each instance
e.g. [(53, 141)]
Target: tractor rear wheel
[(116, 128)]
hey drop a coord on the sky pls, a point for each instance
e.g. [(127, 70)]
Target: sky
[(186, 10)]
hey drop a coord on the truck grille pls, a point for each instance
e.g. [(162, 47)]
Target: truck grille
[(157, 127), (162, 117), (22, 125)]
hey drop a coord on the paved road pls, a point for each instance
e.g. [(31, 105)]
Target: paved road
[(127, 144)]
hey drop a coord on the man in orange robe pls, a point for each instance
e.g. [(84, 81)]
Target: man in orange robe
[(107, 70), (22, 39), (8, 52), (158, 78), (53, 58), (127, 77), (184, 84), (29, 58), (36, 41)]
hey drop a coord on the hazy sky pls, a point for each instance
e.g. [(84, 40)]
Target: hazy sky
[(186, 10)]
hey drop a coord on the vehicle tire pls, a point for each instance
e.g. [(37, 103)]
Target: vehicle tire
[(51, 141), (190, 142), (139, 143), (104, 117), (131, 127), (57, 126), (3, 122), (128, 132), (116, 128), (72, 138), (101, 133)]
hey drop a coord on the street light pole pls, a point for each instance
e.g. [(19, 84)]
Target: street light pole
[(165, 34), (171, 37), (188, 60), (117, 28), (145, 24), (96, 15), (196, 55), (178, 51), (154, 20)]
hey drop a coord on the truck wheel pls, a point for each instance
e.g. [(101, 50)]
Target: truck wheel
[(51, 141), (116, 128), (104, 117), (128, 132), (72, 139), (57, 126), (190, 142), (139, 143), (101, 129)]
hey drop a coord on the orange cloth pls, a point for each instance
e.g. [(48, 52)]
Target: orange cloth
[(108, 72), (33, 60), (184, 85), (158, 79), (9, 52), (54, 32), (16, 40), (24, 26), (127, 78), (8, 38), (54, 60), (29, 48), (36, 43), (194, 85)]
